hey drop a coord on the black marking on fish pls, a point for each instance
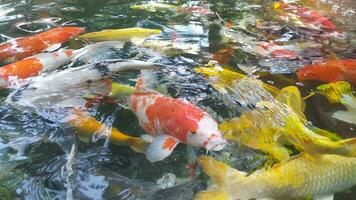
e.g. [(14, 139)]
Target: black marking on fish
[(102, 67)]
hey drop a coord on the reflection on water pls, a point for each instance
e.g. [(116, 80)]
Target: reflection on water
[(42, 158)]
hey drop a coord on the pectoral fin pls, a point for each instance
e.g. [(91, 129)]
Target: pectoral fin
[(161, 147), (138, 40)]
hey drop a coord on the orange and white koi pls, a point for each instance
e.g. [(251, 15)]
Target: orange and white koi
[(171, 121), (68, 88), (23, 47), (45, 62), (32, 66)]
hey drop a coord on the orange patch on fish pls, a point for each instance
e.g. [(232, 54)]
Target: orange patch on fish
[(169, 144), (27, 46), (21, 69)]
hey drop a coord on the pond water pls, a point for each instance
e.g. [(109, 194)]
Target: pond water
[(36, 152)]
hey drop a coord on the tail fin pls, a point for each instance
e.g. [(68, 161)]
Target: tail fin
[(118, 90), (221, 173), (211, 195), (350, 145)]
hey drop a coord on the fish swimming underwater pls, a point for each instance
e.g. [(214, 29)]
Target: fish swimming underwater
[(33, 65), (222, 77), (329, 71), (46, 62), (135, 35), (171, 121), (273, 124), (316, 176), (20, 48), (303, 17), (154, 6), (340, 92), (68, 87), (87, 126)]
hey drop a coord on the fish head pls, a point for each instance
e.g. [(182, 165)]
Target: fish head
[(207, 135)]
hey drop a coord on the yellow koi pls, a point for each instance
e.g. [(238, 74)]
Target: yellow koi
[(222, 77), (135, 35), (272, 125), (340, 92), (316, 176), (87, 126), (291, 97)]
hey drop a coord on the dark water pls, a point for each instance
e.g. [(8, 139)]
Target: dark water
[(35, 158)]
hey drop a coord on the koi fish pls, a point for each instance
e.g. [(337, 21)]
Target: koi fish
[(222, 77), (316, 176), (171, 48), (329, 71), (68, 87), (272, 124), (135, 35), (291, 97), (170, 121), (87, 125), (154, 6), (304, 17), (20, 48), (340, 92), (45, 62)]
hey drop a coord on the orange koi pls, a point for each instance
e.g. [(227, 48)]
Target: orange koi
[(330, 71), (27, 46)]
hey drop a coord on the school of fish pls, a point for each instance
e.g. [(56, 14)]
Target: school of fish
[(306, 161)]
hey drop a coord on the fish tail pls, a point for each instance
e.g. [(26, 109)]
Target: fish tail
[(350, 145), (220, 172), (211, 195), (118, 89)]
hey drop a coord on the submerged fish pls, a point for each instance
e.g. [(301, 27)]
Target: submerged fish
[(291, 97), (154, 6), (303, 17), (273, 124), (67, 88), (45, 62), (316, 176), (222, 77), (330, 71), (171, 121), (341, 92), (135, 35), (20, 48), (87, 126), (171, 48)]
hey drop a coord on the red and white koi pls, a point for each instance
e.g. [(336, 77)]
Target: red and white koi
[(23, 47), (304, 17), (171, 121)]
